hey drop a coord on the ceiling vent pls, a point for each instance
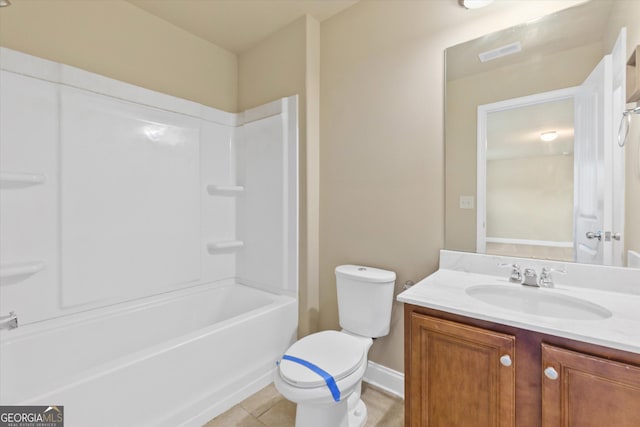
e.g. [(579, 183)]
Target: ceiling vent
[(499, 52)]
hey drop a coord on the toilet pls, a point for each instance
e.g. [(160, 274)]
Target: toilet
[(322, 372)]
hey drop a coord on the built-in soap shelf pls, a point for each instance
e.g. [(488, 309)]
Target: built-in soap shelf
[(225, 245), (229, 190), (20, 179), (19, 269)]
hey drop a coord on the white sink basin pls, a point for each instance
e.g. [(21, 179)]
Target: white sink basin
[(540, 302)]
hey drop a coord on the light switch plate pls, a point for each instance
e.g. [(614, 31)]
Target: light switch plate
[(466, 202)]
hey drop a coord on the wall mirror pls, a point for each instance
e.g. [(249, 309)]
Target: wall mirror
[(532, 167)]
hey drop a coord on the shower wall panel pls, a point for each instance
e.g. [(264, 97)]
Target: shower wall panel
[(111, 192), (217, 167), (28, 202), (267, 212), (261, 213), (130, 198)]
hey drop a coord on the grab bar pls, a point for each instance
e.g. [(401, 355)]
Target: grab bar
[(9, 322)]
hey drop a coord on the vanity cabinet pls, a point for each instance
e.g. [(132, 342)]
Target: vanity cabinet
[(466, 375), (461, 371), (583, 390)]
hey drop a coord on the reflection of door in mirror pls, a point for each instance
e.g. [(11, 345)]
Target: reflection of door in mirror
[(526, 196), (542, 195), (600, 211), (593, 126)]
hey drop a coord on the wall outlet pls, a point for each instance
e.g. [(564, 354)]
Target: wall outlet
[(466, 202)]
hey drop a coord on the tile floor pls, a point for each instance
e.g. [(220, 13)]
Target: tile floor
[(267, 408)]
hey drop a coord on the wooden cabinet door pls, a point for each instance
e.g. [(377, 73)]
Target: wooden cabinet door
[(579, 390), (460, 376)]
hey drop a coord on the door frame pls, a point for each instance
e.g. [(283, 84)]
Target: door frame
[(618, 158)]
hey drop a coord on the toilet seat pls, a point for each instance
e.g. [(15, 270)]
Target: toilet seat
[(335, 352)]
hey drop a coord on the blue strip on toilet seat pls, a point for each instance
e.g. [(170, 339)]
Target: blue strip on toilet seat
[(331, 382)]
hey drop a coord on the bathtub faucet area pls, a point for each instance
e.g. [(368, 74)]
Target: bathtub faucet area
[(9, 322)]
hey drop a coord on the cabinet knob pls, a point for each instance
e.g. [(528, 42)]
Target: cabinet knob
[(505, 360), (551, 373)]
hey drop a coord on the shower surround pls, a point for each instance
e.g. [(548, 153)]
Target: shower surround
[(148, 247)]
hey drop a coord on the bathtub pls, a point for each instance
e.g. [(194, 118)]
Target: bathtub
[(176, 359)]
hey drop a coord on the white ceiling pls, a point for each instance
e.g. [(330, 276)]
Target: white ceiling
[(237, 25)]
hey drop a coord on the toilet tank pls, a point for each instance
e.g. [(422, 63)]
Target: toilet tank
[(365, 297)]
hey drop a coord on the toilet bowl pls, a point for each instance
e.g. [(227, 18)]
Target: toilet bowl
[(322, 372), (345, 357)]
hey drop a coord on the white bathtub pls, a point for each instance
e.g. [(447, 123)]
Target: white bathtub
[(177, 359)]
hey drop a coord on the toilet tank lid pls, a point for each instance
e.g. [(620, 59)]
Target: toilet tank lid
[(366, 274)]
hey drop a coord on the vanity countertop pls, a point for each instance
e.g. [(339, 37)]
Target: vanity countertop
[(445, 290)]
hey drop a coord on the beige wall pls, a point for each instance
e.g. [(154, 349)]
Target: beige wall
[(570, 68), (118, 40), (274, 68), (627, 13), (381, 151), (284, 64)]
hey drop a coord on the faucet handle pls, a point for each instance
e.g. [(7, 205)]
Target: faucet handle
[(516, 273), (545, 276)]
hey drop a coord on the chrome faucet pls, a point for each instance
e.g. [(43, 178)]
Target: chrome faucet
[(546, 281), (516, 273), (9, 322), (530, 277)]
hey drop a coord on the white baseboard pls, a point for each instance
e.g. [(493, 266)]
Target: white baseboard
[(385, 379)]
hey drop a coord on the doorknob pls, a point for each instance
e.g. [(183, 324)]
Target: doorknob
[(594, 235), (608, 235)]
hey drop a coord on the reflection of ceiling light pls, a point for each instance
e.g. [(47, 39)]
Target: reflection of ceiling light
[(4, 3), (499, 52), (154, 132), (475, 4), (162, 134), (549, 136)]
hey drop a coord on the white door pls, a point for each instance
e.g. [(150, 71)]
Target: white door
[(599, 162), (618, 91), (592, 130)]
